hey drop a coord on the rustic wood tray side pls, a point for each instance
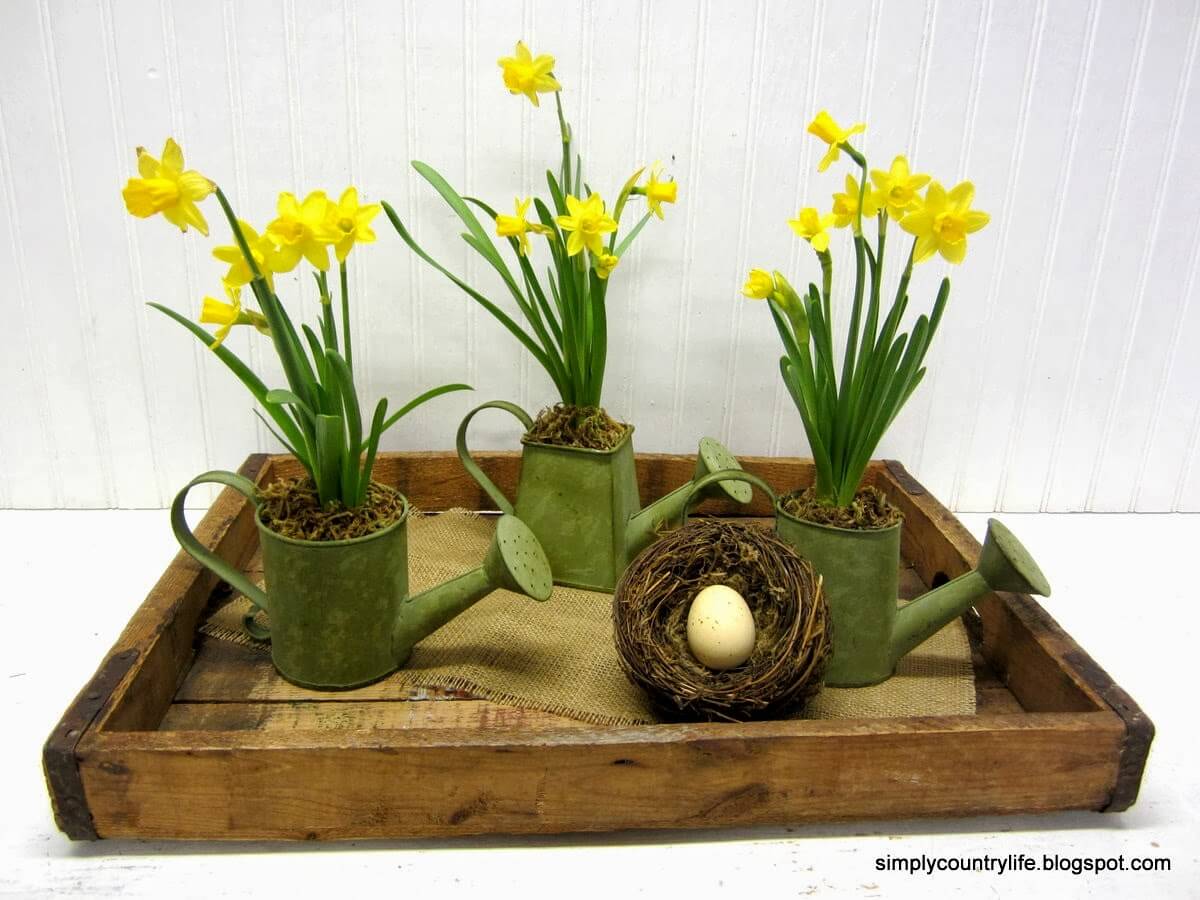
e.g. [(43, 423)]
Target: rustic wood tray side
[(140, 753)]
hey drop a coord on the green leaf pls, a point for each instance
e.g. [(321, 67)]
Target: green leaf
[(330, 451), (622, 197), (459, 206), (628, 239), (318, 353), (290, 447), (516, 330), (345, 383), (797, 383), (556, 194), (522, 302), (423, 398), (280, 396), (535, 288), (377, 429), (296, 368), (242, 372), (481, 241)]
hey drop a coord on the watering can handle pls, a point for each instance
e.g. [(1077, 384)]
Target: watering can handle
[(210, 560), (726, 475), (472, 467)]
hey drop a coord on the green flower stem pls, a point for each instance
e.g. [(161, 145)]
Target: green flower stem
[(237, 234), (328, 326), (346, 315), (565, 131), (826, 259)]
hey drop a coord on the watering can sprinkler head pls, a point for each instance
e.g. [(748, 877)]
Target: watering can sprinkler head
[(714, 457), (515, 562), (1004, 565)]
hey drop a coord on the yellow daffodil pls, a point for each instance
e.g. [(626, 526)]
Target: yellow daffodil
[(605, 263), (834, 135), (659, 192), (516, 226), (300, 229), (348, 223), (266, 256), (759, 284), (942, 222), (587, 223), (527, 74), (898, 188), (217, 312), (164, 187), (845, 206), (813, 227)]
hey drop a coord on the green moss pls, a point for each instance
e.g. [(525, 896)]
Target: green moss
[(589, 427), (869, 510), (291, 508)]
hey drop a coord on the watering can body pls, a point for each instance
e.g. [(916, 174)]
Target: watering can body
[(341, 615), (333, 604), (860, 572), (583, 505), (580, 500), (871, 632)]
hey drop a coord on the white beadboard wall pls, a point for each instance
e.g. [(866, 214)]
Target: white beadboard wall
[(1065, 378)]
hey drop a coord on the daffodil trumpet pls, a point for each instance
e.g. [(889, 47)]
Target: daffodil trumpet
[(318, 415), (845, 416), (564, 313)]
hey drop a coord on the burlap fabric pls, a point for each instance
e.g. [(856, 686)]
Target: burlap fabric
[(559, 656)]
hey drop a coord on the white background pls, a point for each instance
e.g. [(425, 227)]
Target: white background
[(1065, 378), (1065, 375)]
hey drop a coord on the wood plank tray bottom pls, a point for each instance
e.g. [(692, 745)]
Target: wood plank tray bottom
[(182, 736)]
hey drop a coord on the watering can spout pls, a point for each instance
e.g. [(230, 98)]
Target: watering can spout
[(515, 561), (1004, 565), (643, 527)]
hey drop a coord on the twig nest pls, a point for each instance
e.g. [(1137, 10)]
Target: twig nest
[(791, 623)]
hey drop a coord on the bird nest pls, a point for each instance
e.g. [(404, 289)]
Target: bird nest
[(791, 620)]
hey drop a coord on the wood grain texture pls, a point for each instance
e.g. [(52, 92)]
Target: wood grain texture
[(357, 715), (162, 631), (323, 785), (163, 728), (1061, 379)]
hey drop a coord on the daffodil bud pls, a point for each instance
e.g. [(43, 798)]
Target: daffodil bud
[(759, 285), (787, 298)]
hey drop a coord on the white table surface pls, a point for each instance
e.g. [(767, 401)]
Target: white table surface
[(1124, 586)]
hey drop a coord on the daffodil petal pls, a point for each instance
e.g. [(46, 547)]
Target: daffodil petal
[(974, 220), (147, 165), (961, 195), (172, 157), (954, 253), (926, 246)]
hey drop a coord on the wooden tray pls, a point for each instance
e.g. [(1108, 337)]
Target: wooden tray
[(181, 736)]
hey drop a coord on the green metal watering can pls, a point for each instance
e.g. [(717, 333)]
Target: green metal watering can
[(860, 570), (341, 614), (584, 506)]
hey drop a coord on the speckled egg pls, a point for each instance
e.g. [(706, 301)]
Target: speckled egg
[(720, 628)]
